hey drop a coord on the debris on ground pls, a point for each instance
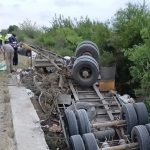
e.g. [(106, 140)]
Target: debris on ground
[(7, 139), (43, 89)]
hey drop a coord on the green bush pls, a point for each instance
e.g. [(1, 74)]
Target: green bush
[(107, 59)]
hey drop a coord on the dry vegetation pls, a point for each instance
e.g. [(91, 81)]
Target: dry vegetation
[(6, 127)]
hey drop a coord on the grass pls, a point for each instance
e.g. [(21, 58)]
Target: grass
[(23, 62), (3, 76)]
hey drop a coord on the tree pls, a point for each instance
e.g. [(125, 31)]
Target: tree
[(12, 28), (128, 24)]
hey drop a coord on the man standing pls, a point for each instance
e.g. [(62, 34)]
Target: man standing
[(8, 52), (13, 42), (1, 40)]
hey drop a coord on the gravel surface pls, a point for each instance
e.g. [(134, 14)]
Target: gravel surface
[(7, 141)]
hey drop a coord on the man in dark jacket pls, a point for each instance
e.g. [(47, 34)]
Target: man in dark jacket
[(13, 42), (1, 40)]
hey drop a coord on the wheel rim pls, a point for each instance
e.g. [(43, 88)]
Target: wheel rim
[(85, 72)]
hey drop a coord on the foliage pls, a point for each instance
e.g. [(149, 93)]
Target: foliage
[(12, 28), (107, 59), (139, 55), (29, 29), (128, 24)]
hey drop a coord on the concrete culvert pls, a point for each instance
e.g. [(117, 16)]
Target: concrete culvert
[(85, 71)]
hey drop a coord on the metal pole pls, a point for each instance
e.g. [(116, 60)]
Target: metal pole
[(32, 49), (109, 124), (122, 147)]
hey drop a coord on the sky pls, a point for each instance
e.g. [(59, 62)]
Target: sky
[(14, 12)]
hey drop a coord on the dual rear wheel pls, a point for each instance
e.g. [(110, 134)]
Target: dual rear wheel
[(86, 142), (85, 69), (79, 129), (136, 116)]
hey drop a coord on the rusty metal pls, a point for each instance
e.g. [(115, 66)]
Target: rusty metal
[(73, 92), (109, 124), (122, 147), (47, 51), (107, 108), (45, 56)]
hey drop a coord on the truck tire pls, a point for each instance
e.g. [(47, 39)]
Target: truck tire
[(140, 134), (128, 113), (89, 58), (90, 109), (90, 141), (142, 113), (148, 127), (87, 49), (76, 143), (88, 42), (83, 121), (71, 123), (85, 71), (106, 134)]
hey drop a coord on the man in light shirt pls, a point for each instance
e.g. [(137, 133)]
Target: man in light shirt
[(8, 53)]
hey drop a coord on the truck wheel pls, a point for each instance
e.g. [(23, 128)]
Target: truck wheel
[(88, 42), (71, 123), (142, 113), (83, 121), (87, 49), (76, 143), (128, 113), (148, 127), (90, 109), (106, 134), (90, 141), (89, 58), (85, 71), (140, 134)]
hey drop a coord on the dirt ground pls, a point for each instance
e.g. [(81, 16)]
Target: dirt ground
[(49, 118), (7, 141)]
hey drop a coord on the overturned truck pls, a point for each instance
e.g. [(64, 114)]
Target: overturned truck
[(93, 117)]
